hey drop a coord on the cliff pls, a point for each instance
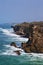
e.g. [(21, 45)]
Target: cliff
[(33, 31)]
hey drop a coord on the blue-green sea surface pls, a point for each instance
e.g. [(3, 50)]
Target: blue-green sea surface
[(7, 56)]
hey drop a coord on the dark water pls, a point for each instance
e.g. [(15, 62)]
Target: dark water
[(7, 57)]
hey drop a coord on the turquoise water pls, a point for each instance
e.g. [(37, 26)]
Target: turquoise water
[(7, 57), (19, 60)]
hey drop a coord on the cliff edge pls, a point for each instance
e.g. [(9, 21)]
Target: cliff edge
[(33, 31)]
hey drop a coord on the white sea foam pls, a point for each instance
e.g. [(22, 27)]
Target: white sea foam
[(34, 56), (11, 50), (9, 33), (37, 54), (20, 39), (8, 52)]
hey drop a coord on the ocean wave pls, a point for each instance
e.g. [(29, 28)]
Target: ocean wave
[(37, 54), (10, 50), (9, 32)]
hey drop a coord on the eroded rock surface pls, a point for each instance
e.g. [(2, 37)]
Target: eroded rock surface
[(33, 31), (35, 44)]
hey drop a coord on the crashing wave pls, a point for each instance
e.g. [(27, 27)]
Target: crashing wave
[(11, 50), (9, 33)]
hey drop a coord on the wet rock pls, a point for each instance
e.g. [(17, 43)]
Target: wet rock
[(35, 44), (25, 47), (17, 52), (13, 44), (33, 31)]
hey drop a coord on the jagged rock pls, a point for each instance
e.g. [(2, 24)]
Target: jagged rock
[(33, 31), (35, 44), (17, 52), (13, 44), (25, 29), (25, 47), (20, 29)]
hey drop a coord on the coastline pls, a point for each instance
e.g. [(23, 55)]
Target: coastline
[(34, 32), (16, 55)]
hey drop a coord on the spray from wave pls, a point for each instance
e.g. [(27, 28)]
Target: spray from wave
[(10, 49), (10, 33)]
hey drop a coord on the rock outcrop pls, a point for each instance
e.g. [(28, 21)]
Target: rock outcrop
[(33, 31), (16, 51), (35, 44), (20, 29), (13, 44)]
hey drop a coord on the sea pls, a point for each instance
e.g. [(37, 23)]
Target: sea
[(7, 54)]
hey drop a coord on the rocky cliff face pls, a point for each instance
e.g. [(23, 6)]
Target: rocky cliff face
[(23, 29), (34, 31)]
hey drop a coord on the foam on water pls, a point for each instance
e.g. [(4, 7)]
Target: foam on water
[(8, 32), (37, 55), (10, 50)]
